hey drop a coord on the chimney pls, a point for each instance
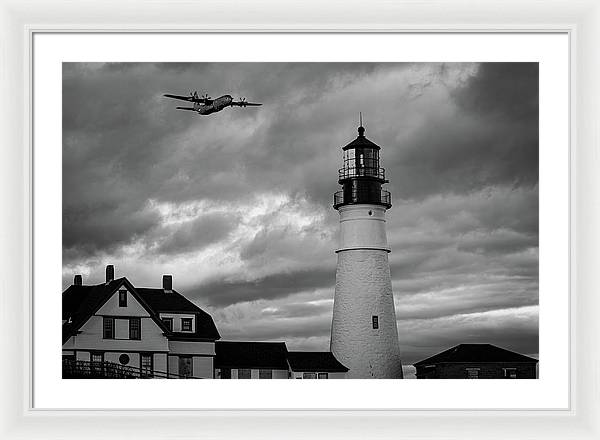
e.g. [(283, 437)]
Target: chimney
[(77, 281), (110, 273), (168, 283)]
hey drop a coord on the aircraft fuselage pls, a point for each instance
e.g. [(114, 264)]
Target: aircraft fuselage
[(216, 106)]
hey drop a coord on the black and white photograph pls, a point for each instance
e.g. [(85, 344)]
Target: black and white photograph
[(298, 220)]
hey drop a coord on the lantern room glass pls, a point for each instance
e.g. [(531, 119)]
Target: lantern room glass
[(361, 162)]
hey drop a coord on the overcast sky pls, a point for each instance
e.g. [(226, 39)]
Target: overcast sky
[(237, 205)]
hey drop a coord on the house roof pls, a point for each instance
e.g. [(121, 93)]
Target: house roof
[(480, 353), (81, 302), (271, 355), (162, 301), (315, 361), (174, 302)]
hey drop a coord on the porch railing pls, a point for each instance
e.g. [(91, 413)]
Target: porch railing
[(72, 369)]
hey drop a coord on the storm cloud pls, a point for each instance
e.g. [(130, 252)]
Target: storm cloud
[(237, 205)]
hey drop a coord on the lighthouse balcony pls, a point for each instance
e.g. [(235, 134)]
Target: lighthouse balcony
[(361, 171), (356, 197)]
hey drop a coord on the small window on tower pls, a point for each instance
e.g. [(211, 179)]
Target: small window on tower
[(375, 321)]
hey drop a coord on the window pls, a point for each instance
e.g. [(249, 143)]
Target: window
[(244, 373), (97, 363), (135, 326), (510, 373), (265, 374), (124, 359), (472, 373), (225, 373), (185, 366), (375, 322), (146, 367), (186, 324), (122, 298), (168, 322), (323, 376), (109, 328), (309, 375)]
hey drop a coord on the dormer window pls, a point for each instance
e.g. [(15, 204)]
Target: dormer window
[(122, 298), (186, 324)]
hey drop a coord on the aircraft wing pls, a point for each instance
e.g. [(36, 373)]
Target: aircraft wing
[(189, 98), (244, 104), (186, 108)]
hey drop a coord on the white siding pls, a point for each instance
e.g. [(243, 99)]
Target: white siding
[(121, 328), (83, 356), (113, 356), (280, 374), (188, 347), (173, 364), (160, 362), (111, 307), (203, 367), (90, 338)]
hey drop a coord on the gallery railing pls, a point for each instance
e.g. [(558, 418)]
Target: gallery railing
[(365, 171), (72, 369), (381, 197)]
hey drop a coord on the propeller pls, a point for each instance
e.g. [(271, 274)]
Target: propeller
[(243, 102)]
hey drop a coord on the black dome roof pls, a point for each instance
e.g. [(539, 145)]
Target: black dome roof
[(361, 141)]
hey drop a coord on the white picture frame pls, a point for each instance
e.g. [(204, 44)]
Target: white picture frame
[(580, 20)]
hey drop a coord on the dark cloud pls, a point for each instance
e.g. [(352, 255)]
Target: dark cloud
[(490, 137), (90, 227), (195, 234), (279, 285)]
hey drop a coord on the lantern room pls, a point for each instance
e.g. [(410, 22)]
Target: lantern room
[(361, 176)]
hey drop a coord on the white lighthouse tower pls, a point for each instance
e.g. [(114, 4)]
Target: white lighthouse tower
[(364, 336)]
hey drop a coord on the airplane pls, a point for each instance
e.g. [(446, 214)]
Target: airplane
[(205, 105)]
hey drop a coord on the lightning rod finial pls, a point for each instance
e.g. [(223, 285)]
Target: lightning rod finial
[(361, 129)]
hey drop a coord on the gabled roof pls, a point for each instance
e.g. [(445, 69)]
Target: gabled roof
[(81, 302), (476, 353), (174, 302), (268, 355), (77, 301), (315, 361)]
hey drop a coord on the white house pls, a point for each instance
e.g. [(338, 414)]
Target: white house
[(138, 331), (116, 330)]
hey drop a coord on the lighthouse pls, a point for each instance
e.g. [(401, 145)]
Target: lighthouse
[(364, 335)]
